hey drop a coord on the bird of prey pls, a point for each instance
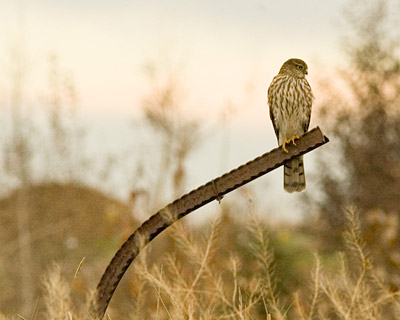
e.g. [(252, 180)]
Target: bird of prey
[(290, 99)]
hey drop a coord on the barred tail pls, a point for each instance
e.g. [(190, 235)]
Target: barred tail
[(294, 178)]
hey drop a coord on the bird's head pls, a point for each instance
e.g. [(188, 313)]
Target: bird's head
[(295, 68)]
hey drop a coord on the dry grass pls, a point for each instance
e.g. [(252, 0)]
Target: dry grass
[(204, 287), (197, 290), (354, 291)]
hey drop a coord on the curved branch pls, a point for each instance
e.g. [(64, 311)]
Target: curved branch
[(213, 190)]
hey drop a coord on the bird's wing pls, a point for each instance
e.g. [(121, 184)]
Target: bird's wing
[(271, 114), (307, 122)]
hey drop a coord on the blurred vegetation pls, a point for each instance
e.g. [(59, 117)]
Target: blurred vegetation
[(238, 267), (364, 118), (179, 135), (361, 167)]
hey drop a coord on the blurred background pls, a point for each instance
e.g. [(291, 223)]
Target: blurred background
[(109, 110)]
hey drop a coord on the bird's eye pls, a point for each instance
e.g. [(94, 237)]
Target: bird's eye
[(300, 67)]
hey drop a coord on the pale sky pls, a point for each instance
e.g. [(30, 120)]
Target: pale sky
[(218, 47), (224, 51)]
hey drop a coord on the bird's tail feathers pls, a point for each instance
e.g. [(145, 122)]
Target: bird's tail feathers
[(294, 178)]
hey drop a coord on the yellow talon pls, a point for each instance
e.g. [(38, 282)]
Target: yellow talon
[(284, 146), (292, 139), (288, 141)]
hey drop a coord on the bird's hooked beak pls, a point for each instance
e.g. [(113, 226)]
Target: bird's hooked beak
[(306, 72)]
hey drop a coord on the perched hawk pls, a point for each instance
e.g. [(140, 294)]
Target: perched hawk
[(290, 99)]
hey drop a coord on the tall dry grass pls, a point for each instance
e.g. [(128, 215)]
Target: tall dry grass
[(198, 289)]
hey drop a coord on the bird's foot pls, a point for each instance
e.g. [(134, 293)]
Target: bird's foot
[(289, 141)]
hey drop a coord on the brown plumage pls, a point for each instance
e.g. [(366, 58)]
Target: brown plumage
[(290, 99)]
